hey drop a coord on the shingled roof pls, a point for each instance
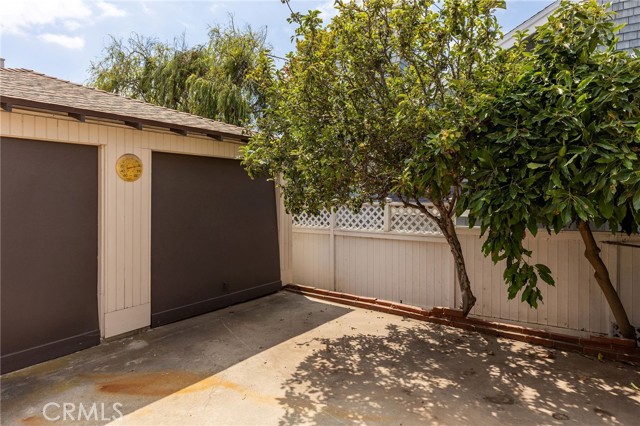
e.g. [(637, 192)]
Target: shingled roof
[(26, 88)]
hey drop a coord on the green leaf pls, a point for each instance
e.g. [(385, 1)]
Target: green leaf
[(606, 209), (535, 165), (636, 201)]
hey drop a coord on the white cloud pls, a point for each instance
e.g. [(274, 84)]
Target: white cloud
[(147, 10), (72, 24), (17, 17), (109, 10), (63, 40), (327, 11)]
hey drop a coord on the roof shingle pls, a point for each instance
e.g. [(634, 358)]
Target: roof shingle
[(21, 87)]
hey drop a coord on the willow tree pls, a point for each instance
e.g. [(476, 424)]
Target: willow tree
[(560, 146), (379, 101), (209, 80)]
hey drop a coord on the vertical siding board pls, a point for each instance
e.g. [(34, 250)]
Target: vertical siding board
[(217, 150), (5, 123), (40, 127), (63, 131), (74, 131), (498, 289), (136, 212), (145, 227), (346, 270), (595, 303), (28, 126), (373, 270), (435, 258), (307, 253), (83, 133), (422, 263), (296, 252), (402, 256), (383, 270), (451, 280), (575, 250), (300, 255), (351, 265), (308, 273), (563, 284), (415, 269), (313, 261), (485, 288), (110, 222), (362, 272), (584, 301), (325, 267), (12, 124), (552, 291), (52, 128), (339, 262), (319, 259), (120, 226), (124, 135), (394, 269)]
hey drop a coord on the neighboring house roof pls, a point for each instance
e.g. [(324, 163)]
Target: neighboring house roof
[(26, 88), (627, 12), (530, 24)]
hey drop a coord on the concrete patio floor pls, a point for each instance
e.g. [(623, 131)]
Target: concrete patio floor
[(287, 359)]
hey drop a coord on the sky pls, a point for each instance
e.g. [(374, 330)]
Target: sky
[(61, 37)]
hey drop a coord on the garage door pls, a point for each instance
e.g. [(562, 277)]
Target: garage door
[(214, 236), (49, 249)]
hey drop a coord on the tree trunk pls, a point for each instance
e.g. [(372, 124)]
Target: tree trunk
[(592, 253), (448, 229)]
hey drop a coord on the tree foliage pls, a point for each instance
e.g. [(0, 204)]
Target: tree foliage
[(209, 80), (559, 145), (379, 101)]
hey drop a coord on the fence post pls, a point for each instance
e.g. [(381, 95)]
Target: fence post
[(386, 218), (332, 248)]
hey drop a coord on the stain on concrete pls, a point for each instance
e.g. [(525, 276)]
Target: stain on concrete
[(137, 344), (500, 399), (160, 383), (35, 421)]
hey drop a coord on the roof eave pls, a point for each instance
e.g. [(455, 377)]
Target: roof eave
[(128, 120)]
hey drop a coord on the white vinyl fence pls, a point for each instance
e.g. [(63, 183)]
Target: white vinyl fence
[(398, 254)]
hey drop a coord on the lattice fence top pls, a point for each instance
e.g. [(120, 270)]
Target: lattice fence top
[(306, 220), (369, 218), (412, 221)]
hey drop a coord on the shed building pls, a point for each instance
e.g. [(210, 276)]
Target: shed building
[(118, 215)]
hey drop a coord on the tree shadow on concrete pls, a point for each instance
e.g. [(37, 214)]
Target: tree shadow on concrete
[(430, 374)]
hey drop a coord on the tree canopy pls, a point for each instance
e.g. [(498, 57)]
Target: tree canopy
[(209, 80), (379, 101), (560, 145)]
